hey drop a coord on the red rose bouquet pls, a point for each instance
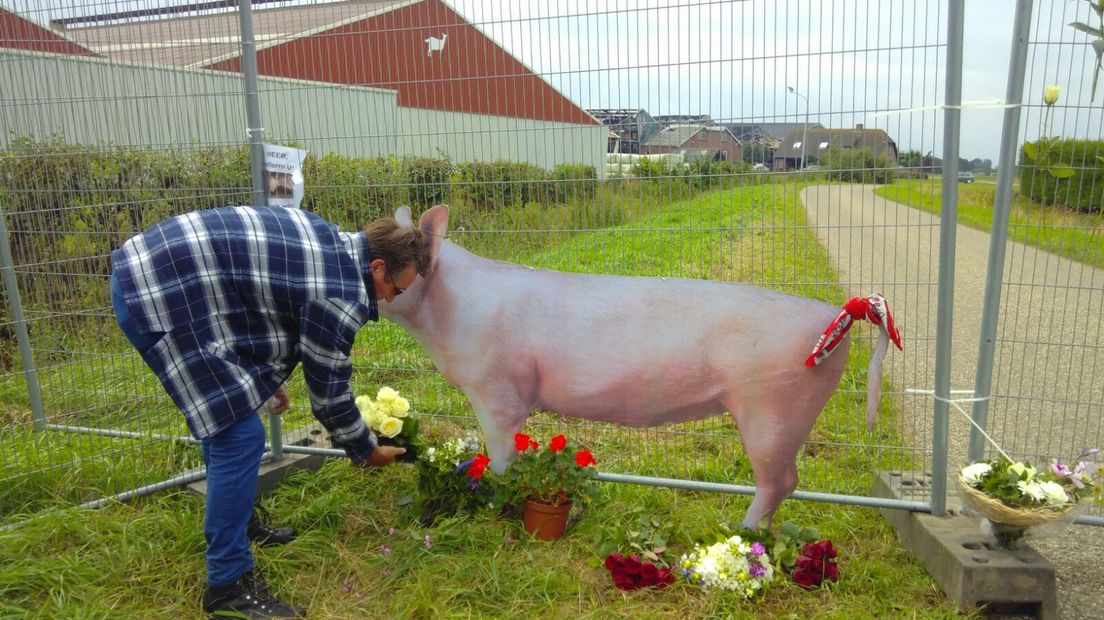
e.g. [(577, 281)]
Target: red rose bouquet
[(629, 573), (816, 564)]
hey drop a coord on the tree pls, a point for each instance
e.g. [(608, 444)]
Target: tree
[(911, 159)]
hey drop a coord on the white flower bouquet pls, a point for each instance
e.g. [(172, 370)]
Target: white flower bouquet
[(732, 564), (1016, 496)]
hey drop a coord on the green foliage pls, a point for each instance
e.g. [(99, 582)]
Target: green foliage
[(553, 474), (858, 166), (647, 537), (427, 180), (501, 184), (1083, 192), (648, 167), (575, 182), (353, 191), (787, 544), (1097, 43), (1020, 484), (444, 488), (1059, 231), (70, 205), (709, 174)]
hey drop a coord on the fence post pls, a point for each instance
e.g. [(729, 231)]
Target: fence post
[(998, 236), (256, 158), (15, 304), (948, 222), (252, 101)]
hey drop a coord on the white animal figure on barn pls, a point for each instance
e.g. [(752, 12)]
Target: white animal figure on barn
[(434, 44)]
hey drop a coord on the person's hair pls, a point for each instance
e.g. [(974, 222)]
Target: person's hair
[(397, 247)]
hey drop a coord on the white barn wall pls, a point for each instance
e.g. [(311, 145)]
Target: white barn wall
[(91, 101), (478, 137)]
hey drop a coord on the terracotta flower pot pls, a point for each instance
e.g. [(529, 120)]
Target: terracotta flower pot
[(544, 521)]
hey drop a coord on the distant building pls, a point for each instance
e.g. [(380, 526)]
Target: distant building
[(769, 135), (632, 127), (695, 142), (820, 140)]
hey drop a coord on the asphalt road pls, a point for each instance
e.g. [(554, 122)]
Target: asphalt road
[(1048, 381)]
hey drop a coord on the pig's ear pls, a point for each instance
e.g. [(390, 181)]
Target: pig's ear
[(434, 225), (402, 216)]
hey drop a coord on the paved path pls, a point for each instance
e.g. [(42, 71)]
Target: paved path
[(1049, 369)]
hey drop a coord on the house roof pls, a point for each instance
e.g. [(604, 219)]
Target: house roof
[(776, 131), (677, 135), (673, 135), (821, 139), (683, 119), (198, 40)]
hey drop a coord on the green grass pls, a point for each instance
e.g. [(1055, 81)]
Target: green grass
[(1073, 235), (145, 558)]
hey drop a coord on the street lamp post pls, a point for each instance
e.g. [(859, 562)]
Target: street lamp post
[(805, 130)]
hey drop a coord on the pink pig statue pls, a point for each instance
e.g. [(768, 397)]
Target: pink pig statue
[(635, 351)]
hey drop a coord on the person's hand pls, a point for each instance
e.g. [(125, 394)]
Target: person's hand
[(283, 401), (383, 456)]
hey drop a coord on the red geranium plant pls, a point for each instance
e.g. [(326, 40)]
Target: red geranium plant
[(554, 475), (816, 564)]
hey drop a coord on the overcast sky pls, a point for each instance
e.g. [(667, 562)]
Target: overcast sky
[(880, 63)]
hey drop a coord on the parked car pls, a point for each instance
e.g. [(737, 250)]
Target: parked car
[(813, 168), (965, 177), (760, 168)]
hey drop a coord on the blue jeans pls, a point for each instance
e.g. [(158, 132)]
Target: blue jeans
[(233, 458)]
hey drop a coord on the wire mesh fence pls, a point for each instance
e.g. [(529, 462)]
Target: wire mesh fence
[(734, 141)]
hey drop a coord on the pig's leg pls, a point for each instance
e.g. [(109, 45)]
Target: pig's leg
[(500, 417), (773, 455)]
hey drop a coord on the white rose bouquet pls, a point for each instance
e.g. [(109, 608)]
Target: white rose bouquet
[(389, 418)]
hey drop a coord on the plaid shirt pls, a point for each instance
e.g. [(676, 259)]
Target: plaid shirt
[(243, 295)]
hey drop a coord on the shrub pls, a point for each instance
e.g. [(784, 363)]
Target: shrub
[(858, 166), (351, 191), (427, 180), (501, 184), (1084, 191), (574, 182)]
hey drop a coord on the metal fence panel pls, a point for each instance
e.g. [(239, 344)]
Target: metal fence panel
[(800, 84)]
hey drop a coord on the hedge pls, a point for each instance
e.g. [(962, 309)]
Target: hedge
[(1084, 191)]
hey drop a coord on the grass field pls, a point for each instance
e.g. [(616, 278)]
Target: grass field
[(1077, 236), (361, 553)]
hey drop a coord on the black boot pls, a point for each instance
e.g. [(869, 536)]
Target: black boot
[(260, 532), (248, 597)]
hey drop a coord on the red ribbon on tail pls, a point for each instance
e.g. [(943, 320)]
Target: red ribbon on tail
[(874, 309)]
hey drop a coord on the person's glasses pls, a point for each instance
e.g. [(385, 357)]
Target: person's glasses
[(398, 291)]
